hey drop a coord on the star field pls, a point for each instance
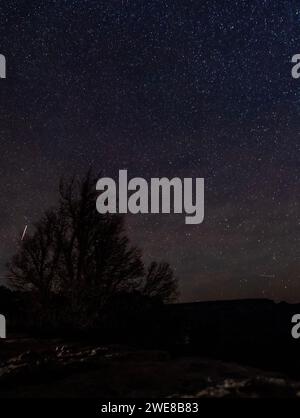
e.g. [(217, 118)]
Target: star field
[(162, 88)]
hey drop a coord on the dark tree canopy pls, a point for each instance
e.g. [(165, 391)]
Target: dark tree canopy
[(84, 258), (160, 283)]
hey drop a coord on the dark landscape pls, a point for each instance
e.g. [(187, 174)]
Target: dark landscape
[(86, 317), (230, 349)]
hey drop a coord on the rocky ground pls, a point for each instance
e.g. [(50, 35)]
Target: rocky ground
[(30, 368)]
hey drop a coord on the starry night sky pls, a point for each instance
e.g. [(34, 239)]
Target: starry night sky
[(162, 88)]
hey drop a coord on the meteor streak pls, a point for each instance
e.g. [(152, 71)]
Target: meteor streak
[(24, 232)]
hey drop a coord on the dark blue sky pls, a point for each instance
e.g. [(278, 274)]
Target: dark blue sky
[(162, 88)]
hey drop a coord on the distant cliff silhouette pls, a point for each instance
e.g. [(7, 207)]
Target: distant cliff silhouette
[(252, 331)]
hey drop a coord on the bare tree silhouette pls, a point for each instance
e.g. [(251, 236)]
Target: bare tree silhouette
[(84, 258)]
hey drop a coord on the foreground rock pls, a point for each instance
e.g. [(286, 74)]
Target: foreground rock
[(57, 369)]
